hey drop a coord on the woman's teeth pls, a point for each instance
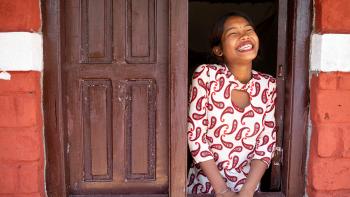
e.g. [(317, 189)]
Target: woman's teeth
[(245, 47)]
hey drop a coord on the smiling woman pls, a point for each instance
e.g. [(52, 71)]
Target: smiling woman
[(238, 39), (272, 25), (234, 36), (231, 131)]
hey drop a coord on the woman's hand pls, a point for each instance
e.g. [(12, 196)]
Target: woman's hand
[(245, 193), (227, 194)]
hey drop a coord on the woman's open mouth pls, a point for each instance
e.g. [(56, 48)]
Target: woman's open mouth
[(245, 46)]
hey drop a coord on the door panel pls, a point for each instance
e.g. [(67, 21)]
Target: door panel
[(141, 23), (96, 31), (115, 96), (97, 130)]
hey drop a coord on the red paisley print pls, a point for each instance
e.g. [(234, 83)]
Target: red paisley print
[(194, 94), (227, 144), (230, 177), (234, 127), (248, 114), (257, 89), (264, 96), (196, 116), (196, 136), (228, 110), (217, 104), (212, 122), (220, 131), (221, 84)]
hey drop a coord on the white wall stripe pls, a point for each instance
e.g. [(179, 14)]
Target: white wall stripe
[(330, 52), (21, 51)]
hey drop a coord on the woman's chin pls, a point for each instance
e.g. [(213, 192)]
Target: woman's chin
[(243, 60)]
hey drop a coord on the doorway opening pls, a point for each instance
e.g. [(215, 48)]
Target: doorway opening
[(265, 15)]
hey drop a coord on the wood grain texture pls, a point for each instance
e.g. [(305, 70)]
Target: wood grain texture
[(296, 104), (141, 46), (97, 129), (140, 130), (96, 31), (178, 96)]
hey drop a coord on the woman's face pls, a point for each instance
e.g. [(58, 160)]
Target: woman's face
[(239, 42)]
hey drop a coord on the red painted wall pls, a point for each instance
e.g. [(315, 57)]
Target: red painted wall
[(332, 16), (329, 161), (21, 142), (20, 15), (21, 128)]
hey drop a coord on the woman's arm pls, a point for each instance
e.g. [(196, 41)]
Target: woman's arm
[(197, 129), (211, 170), (257, 170), (216, 180), (264, 147)]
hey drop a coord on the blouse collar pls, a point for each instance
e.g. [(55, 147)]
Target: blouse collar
[(239, 85)]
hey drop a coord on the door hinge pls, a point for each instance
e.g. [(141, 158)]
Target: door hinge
[(278, 156), (68, 148), (280, 71)]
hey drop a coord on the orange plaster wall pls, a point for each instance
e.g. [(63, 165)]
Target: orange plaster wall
[(329, 158), (21, 142), (21, 127), (329, 162), (20, 15), (332, 16)]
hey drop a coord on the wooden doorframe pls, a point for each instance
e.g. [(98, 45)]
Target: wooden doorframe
[(53, 28), (297, 97), (178, 91), (296, 106)]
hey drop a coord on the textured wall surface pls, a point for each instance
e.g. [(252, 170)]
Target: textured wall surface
[(332, 16), (20, 15), (329, 164), (329, 161), (21, 124)]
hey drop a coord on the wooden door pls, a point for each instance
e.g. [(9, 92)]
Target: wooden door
[(115, 86)]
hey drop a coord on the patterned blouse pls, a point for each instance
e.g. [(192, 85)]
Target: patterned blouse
[(220, 130)]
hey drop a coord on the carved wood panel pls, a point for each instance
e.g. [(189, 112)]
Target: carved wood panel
[(115, 96), (140, 130), (97, 130), (96, 31), (141, 38)]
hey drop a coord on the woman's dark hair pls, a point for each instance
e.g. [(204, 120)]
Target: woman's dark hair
[(218, 28), (216, 35)]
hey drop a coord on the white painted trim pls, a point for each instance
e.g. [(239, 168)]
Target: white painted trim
[(21, 51), (330, 52)]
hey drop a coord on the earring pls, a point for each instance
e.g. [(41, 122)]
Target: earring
[(218, 52)]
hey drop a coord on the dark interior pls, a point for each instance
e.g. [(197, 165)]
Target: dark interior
[(203, 14)]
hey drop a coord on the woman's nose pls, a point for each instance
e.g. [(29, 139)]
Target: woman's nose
[(244, 37)]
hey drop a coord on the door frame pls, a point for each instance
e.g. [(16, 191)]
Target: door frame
[(296, 105), (53, 29), (300, 13)]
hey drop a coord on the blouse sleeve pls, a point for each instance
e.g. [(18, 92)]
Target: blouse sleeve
[(266, 140), (197, 116)]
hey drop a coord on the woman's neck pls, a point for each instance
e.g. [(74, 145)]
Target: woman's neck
[(242, 72)]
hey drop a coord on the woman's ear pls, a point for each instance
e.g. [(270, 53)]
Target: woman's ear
[(217, 51)]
